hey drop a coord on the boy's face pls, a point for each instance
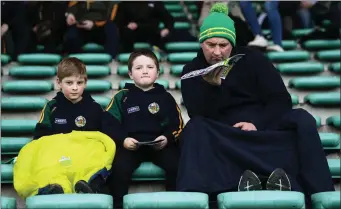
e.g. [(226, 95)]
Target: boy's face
[(144, 72), (72, 87)]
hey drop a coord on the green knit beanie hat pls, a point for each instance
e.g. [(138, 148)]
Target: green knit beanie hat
[(218, 24)]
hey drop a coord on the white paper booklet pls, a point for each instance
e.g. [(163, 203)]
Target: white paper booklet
[(226, 65)]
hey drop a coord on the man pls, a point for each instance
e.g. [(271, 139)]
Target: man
[(244, 123)]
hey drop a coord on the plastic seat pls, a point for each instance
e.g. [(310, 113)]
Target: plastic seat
[(98, 85), (334, 167), (5, 59), (103, 101), (329, 55), (27, 86), (178, 84), (287, 44), (178, 25), (192, 8), (97, 70), (315, 82), (6, 173), (124, 57), (323, 99), (17, 126), (32, 71), (330, 141), (8, 202), (182, 46), (165, 83), (178, 14), (318, 121), (168, 200), (335, 67), (123, 70), (334, 121), (147, 171), (301, 32), (287, 56), (22, 103), (321, 44), (92, 47), (142, 45), (70, 201), (93, 58), (261, 199), (181, 57), (294, 99), (176, 69), (39, 58), (300, 68), (12, 145), (174, 7), (326, 200)]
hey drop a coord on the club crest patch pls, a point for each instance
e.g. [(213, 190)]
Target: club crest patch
[(80, 121), (133, 109), (153, 108)]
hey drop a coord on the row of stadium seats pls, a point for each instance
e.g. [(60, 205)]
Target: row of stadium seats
[(12, 145), (12, 103), (195, 200), (178, 57)]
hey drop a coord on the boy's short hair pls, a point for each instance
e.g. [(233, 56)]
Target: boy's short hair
[(145, 52), (71, 66)]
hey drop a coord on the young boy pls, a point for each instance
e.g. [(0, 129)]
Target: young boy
[(71, 109), (146, 112)]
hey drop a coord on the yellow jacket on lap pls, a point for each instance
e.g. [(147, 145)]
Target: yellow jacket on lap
[(62, 159)]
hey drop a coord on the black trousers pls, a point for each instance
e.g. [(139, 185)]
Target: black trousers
[(126, 162)]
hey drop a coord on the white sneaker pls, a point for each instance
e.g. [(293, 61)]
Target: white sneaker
[(259, 41), (275, 48)]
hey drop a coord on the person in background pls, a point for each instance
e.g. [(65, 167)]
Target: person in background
[(47, 20), (142, 24), (91, 21), (13, 19), (271, 8)]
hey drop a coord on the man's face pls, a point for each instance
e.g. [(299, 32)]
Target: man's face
[(216, 49)]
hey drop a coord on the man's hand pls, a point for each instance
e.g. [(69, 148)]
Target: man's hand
[(164, 32), (213, 77), (86, 24), (245, 126), (4, 29), (130, 143), (162, 144), (306, 4), (132, 26), (70, 19)]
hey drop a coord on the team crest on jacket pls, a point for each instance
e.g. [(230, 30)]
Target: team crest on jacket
[(153, 108), (80, 121)]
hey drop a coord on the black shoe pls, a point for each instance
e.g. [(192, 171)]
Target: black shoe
[(278, 180), (52, 189), (249, 181), (83, 187)]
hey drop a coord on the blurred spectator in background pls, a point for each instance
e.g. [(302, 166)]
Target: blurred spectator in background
[(47, 20), (91, 21), (271, 8), (323, 10), (13, 20), (139, 21)]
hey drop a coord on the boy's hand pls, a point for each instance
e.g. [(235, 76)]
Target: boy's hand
[(164, 32), (130, 143), (4, 29), (86, 24), (245, 126), (132, 26), (70, 19), (163, 142)]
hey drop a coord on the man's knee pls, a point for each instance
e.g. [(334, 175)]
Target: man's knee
[(303, 116), (72, 33)]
